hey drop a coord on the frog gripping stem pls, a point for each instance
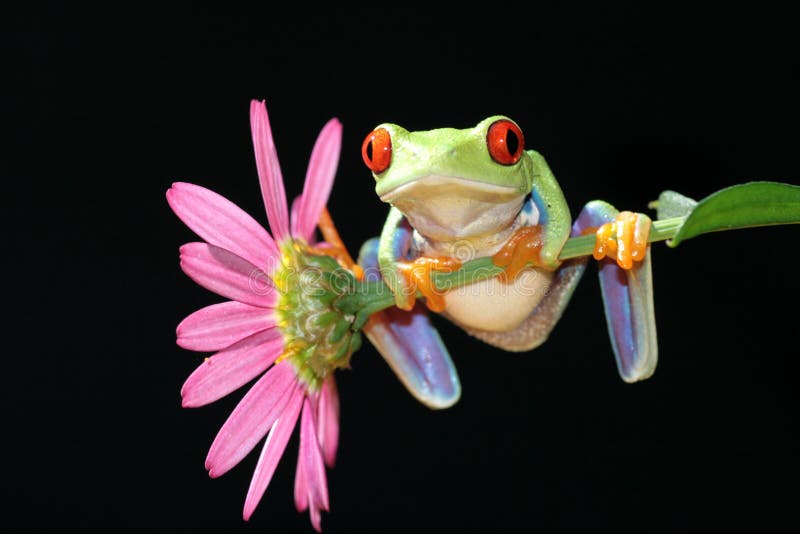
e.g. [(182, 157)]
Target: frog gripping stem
[(624, 239), (417, 276), (522, 248)]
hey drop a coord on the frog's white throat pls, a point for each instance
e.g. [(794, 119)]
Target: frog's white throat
[(448, 208)]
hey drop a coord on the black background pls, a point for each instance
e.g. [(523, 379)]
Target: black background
[(106, 106)]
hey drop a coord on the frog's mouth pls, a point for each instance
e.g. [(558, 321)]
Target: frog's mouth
[(451, 207)]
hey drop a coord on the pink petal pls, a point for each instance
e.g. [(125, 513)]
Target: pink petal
[(311, 240), (319, 179), (328, 420), (273, 450), (221, 325), (222, 223), (227, 274), (269, 171), (228, 370), (311, 456), (251, 419), (316, 521), (300, 488), (294, 211)]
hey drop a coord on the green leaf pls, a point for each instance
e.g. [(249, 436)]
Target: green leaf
[(742, 206), (671, 204)]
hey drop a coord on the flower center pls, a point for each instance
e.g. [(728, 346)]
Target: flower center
[(318, 338)]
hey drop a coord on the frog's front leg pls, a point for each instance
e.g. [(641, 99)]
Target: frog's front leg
[(410, 344), (544, 226), (405, 276)]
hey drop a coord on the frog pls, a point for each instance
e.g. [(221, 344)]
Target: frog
[(460, 194)]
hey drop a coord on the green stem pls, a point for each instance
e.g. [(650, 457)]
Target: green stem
[(738, 206), (482, 268), (584, 245), (375, 296)]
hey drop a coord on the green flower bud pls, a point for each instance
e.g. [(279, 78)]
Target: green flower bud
[(318, 336)]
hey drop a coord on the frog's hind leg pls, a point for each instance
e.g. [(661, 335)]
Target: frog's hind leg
[(410, 344), (628, 302)]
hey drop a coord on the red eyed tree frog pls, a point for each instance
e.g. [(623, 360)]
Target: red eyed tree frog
[(458, 194)]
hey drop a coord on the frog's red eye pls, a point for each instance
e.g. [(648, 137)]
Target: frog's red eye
[(377, 150), (505, 142)]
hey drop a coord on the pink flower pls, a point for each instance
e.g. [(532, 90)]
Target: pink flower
[(263, 329)]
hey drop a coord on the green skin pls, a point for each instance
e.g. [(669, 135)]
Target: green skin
[(456, 198)]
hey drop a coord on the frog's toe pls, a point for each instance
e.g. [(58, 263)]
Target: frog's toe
[(417, 276), (624, 239), (522, 248)]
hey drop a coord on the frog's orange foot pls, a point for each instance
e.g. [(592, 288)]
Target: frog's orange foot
[(624, 240), (417, 275), (522, 248), (336, 248)]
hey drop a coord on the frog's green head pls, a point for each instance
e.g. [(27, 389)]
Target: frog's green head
[(449, 182)]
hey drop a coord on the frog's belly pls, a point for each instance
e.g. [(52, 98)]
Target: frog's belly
[(496, 306)]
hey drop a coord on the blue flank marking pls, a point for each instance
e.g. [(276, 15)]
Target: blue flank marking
[(544, 215)]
